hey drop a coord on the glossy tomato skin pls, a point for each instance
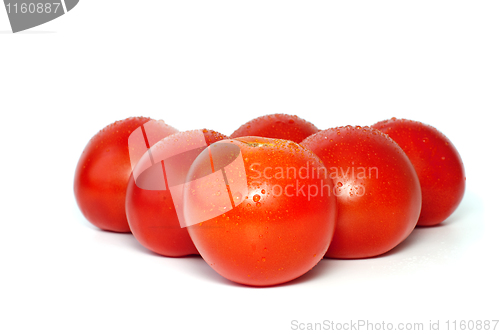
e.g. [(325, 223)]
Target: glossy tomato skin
[(103, 170), (438, 165), (276, 232), (377, 189), (152, 215), (280, 126)]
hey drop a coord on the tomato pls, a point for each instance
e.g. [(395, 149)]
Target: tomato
[(102, 173), (152, 209), (377, 189), (258, 211), (280, 126), (438, 165)]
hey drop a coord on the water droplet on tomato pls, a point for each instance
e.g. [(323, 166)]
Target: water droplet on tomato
[(256, 198)]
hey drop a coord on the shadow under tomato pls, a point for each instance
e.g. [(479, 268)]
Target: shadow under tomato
[(412, 241), (418, 236), (422, 234), (125, 239), (200, 268), (136, 245), (319, 270)]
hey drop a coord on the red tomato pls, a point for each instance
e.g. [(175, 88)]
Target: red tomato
[(280, 126), (103, 171), (437, 163), (377, 189), (150, 206), (257, 210)]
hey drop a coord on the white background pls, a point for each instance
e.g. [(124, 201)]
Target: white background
[(218, 64)]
